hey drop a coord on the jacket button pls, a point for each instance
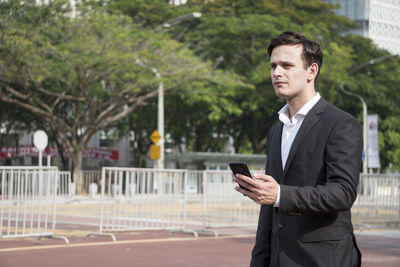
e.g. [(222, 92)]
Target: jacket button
[(280, 225)]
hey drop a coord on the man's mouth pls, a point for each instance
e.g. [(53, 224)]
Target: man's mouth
[(279, 83)]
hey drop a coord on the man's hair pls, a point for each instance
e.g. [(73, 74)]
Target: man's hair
[(312, 51)]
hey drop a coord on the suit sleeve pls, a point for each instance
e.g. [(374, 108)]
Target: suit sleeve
[(261, 253), (342, 166)]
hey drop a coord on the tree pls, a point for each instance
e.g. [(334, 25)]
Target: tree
[(192, 114), (233, 34), (80, 74), (12, 121), (207, 102), (236, 34), (378, 84)]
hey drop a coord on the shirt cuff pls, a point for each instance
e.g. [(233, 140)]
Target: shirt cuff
[(278, 198)]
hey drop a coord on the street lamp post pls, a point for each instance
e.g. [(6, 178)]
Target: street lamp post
[(365, 126), (160, 112), (365, 107), (160, 120)]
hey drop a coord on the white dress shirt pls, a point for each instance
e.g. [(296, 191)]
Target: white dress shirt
[(290, 129)]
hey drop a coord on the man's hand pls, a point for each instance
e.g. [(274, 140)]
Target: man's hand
[(263, 190)]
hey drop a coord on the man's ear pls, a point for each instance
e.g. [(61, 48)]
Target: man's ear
[(312, 72)]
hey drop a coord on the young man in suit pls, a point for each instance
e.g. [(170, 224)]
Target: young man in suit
[(312, 171)]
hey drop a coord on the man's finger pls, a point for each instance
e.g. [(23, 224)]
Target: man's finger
[(263, 177), (243, 182), (243, 178)]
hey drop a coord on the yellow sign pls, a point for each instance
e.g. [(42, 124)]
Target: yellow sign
[(155, 152), (155, 137)]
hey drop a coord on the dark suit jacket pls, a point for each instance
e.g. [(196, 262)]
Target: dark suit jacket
[(312, 226)]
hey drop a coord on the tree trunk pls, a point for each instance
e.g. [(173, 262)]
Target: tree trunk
[(64, 160), (76, 158)]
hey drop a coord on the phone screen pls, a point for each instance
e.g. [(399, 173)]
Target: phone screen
[(241, 168)]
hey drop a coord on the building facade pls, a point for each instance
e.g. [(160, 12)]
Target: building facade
[(378, 20)]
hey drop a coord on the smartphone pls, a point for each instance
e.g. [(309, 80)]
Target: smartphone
[(241, 168)]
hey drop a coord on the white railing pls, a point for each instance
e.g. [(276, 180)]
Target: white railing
[(64, 184), (152, 199), (91, 180), (138, 199), (67, 189), (142, 199), (378, 200), (28, 202), (223, 205)]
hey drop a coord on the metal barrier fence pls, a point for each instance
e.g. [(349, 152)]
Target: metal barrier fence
[(64, 184), (91, 180), (378, 200), (138, 199), (377, 203), (142, 199), (223, 205), (67, 189), (150, 199), (28, 202)]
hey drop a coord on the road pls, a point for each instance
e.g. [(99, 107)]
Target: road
[(158, 248)]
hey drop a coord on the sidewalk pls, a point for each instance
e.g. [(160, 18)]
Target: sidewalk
[(158, 248), (379, 248)]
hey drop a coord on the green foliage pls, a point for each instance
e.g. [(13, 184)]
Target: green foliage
[(239, 31), (143, 12), (81, 74), (378, 84), (392, 148)]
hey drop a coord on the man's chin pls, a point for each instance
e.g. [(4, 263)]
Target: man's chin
[(280, 94), (287, 97)]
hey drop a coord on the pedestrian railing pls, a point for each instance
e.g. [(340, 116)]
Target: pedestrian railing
[(223, 205), (28, 202), (64, 184), (197, 201), (193, 201), (378, 200), (91, 180), (142, 199)]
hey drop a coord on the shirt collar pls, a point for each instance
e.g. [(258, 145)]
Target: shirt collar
[(284, 112)]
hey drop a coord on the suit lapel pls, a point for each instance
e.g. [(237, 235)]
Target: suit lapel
[(275, 153), (309, 121)]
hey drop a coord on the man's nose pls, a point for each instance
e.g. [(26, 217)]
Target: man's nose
[(277, 71)]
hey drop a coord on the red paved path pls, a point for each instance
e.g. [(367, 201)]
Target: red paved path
[(157, 248)]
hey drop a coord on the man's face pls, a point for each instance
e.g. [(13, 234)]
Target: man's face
[(288, 73)]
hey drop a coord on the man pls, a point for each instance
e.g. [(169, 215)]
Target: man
[(313, 163)]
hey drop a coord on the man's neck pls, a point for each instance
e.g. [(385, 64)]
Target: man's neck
[(296, 103)]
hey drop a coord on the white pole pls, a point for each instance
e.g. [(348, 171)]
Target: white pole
[(365, 127), (365, 134), (160, 122), (48, 161), (160, 117), (40, 158)]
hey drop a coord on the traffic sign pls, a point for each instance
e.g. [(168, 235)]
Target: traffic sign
[(155, 137), (155, 152), (40, 139)]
